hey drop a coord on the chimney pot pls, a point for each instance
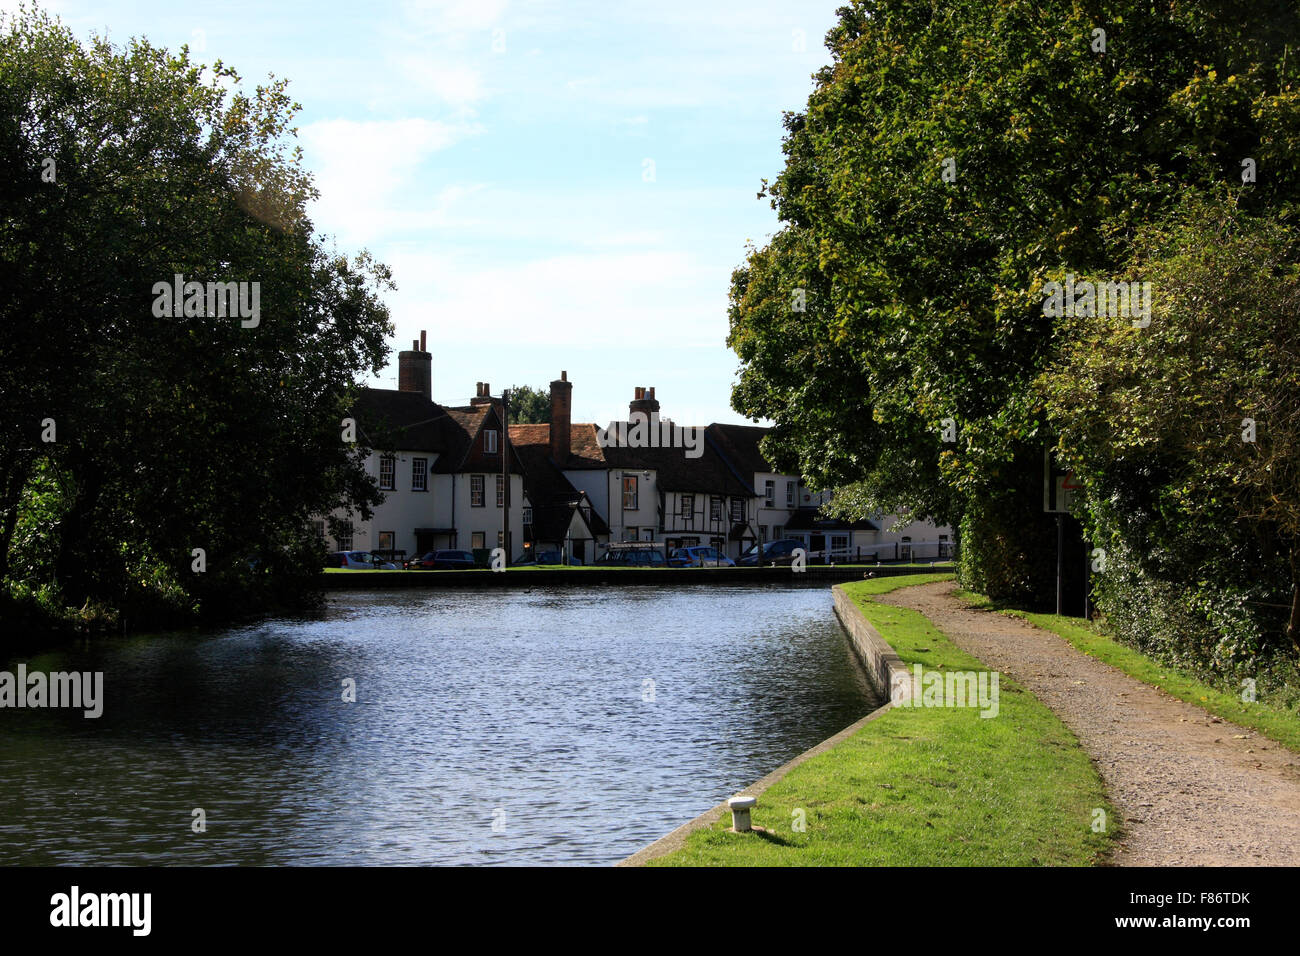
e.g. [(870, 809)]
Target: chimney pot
[(415, 372), (423, 347), (561, 415), (644, 402)]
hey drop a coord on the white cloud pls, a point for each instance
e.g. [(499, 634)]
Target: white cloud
[(453, 16), (456, 84), (583, 300), (365, 171)]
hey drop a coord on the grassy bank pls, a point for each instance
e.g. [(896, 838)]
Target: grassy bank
[(1274, 720), (929, 786)]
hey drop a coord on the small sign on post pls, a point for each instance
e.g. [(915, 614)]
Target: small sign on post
[(1059, 487)]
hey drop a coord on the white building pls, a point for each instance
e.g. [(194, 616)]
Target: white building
[(440, 469)]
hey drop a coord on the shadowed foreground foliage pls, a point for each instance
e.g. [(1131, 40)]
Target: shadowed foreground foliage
[(130, 439)]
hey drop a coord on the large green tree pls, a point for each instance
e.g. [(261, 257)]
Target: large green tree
[(1186, 432), (951, 159), (530, 406), (122, 168)]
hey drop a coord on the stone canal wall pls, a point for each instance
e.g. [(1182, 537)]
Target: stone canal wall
[(886, 669)]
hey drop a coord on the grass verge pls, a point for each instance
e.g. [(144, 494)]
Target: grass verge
[(931, 786), (1273, 721)]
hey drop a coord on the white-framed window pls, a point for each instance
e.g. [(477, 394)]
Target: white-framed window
[(387, 472), (343, 539), (319, 527), (489, 441), (419, 474), (386, 539), (839, 544), (769, 492), (476, 492), (715, 508), (528, 515), (687, 509), (762, 532), (478, 540), (629, 493), (737, 510), (501, 491), (789, 496)]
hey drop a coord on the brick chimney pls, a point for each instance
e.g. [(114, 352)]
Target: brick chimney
[(484, 396), (561, 415), (415, 369), (644, 402)]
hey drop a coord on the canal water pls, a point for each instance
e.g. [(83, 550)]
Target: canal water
[(489, 727)]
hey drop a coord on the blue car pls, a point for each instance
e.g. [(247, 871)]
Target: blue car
[(780, 551)]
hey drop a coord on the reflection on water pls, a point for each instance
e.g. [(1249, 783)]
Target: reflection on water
[(469, 703)]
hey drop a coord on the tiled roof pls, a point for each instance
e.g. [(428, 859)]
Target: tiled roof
[(740, 444), (407, 421), (710, 473), (387, 418), (549, 491), (707, 474), (584, 450)]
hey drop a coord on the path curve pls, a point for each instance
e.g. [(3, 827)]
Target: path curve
[(1193, 789)]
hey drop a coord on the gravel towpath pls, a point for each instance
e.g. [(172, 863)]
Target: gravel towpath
[(1193, 789)]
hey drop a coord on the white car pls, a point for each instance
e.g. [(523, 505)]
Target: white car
[(357, 561)]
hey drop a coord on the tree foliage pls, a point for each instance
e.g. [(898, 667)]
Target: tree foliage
[(1187, 435), (530, 406), (171, 434), (951, 160)]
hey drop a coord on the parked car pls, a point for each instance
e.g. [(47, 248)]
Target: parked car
[(547, 557), (780, 551), (633, 558), (451, 560), (699, 556), (423, 562), (357, 561)]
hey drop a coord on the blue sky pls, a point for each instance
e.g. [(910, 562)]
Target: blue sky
[(494, 154)]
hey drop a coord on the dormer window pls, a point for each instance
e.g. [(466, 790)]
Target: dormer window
[(490, 441)]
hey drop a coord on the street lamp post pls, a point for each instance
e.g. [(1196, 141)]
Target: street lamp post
[(505, 473)]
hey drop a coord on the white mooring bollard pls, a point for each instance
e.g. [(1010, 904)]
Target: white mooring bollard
[(740, 807)]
